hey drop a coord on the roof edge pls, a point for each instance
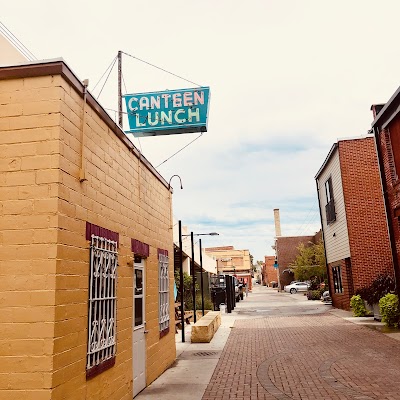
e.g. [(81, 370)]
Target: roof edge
[(387, 113), (328, 157)]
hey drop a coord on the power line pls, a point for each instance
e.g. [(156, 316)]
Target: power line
[(16, 42), (123, 80), (309, 217), (184, 147), (107, 77), (311, 222), (110, 66), (161, 69)]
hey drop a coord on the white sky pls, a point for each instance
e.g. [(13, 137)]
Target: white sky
[(287, 79)]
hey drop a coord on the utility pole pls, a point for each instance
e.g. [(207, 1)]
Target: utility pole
[(120, 88)]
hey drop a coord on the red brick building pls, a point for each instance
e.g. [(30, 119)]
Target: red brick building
[(353, 218), (386, 129), (287, 249), (269, 273)]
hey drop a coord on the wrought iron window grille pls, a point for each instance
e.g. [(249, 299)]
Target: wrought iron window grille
[(163, 262), (102, 301)]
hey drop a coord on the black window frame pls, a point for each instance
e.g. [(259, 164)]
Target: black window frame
[(330, 202), (337, 279)]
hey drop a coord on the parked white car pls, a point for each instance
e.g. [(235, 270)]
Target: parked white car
[(296, 287)]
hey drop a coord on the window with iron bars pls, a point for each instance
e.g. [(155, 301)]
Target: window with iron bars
[(163, 261), (102, 302)]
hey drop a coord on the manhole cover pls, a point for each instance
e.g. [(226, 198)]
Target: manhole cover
[(192, 355), (204, 353)]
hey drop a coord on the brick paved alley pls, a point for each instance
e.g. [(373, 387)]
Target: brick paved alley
[(306, 357)]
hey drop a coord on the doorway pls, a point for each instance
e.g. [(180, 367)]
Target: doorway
[(139, 327)]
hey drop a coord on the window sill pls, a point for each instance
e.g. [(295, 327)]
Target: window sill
[(98, 369), (164, 332)]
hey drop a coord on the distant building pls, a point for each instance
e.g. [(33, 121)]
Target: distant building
[(208, 264), (270, 274), (232, 261), (287, 249), (353, 218)]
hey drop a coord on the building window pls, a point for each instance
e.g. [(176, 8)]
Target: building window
[(139, 291), (337, 279), (330, 202), (102, 304), (163, 317)]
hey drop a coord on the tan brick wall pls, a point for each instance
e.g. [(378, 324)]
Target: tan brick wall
[(43, 209), (29, 151)]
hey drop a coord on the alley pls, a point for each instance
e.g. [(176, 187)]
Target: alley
[(285, 347), (282, 346)]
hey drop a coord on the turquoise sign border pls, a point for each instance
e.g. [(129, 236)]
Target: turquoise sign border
[(168, 112)]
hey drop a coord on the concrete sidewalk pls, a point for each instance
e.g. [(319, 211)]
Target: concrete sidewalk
[(194, 366)]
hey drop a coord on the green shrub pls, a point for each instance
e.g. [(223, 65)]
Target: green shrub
[(381, 286), (208, 304), (314, 294), (358, 306), (389, 308)]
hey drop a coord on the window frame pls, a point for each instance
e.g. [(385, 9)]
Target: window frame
[(163, 292), (102, 305), (330, 202), (337, 279), (139, 265)]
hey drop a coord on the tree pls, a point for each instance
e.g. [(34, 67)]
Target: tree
[(310, 263), (188, 290)]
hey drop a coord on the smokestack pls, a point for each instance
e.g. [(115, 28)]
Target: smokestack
[(277, 221)]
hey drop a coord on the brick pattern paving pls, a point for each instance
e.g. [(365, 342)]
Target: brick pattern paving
[(306, 357)]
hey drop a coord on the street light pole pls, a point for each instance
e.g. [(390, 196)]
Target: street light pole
[(201, 278), (193, 279), (181, 282)]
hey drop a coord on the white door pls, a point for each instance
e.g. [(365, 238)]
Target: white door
[(139, 326)]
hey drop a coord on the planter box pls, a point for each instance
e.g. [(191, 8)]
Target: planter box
[(377, 313)]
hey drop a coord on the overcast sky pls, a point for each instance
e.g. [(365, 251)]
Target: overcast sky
[(287, 79)]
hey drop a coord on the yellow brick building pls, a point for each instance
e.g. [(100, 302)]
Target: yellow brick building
[(229, 259), (68, 327)]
